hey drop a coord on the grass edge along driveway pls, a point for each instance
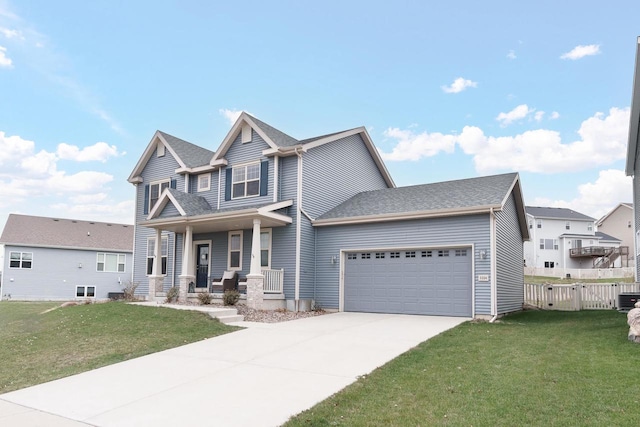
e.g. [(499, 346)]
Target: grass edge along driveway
[(38, 345), (530, 368)]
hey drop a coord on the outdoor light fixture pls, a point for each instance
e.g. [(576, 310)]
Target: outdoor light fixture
[(483, 254)]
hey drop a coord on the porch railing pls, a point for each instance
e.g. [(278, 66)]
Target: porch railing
[(273, 281)]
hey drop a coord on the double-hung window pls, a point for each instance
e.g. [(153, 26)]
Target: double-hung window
[(246, 181), (111, 263), (235, 250), (85, 291), (204, 182), (20, 259), (265, 248), (550, 244), (164, 250), (155, 190)]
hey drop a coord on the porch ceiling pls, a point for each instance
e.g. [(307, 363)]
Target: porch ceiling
[(224, 221)]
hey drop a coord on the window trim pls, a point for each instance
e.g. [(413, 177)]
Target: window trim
[(21, 260), (270, 233), (245, 181), (86, 288), (202, 187), (104, 262), (567, 225), (160, 189), (231, 233), (164, 238), (539, 223)]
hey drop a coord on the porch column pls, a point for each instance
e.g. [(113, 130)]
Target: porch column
[(187, 275), (156, 280), (255, 279)]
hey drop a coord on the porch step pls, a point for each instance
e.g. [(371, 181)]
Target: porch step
[(228, 318)]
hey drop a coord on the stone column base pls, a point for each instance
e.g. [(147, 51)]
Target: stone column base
[(184, 286), (255, 291), (156, 284)]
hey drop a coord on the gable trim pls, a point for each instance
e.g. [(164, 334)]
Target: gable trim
[(232, 135), (135, 177), (165, 197)]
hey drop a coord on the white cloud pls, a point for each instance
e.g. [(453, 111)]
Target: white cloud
[(555, 115), (511, 54), (518, 113), (412, 146), (603, 141), (230, 115), (120, 212), (9, 33), (99, 152), (538, 116), (596, 198), (459, 85), (581, 51), (5, 61)]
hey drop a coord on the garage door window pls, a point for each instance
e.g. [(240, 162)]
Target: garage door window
[(352, 256), (461, 252), (443, 253), (380, 255), (427, 254), (410, 254), (394, 255), (365, 256)]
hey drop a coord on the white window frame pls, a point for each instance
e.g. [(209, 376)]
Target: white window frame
[(201, 186), (567, 225), (121, 260), (266, 231), (161, 188), (590, 226), (244, 181), (246, 133), (164, 247), (85, 291), (233, 233), (539, 223), (160, 149), (21, 260)]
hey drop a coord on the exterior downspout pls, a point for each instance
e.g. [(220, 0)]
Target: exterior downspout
[(298, 230), (135, 229), (219, 185), (492, 260), (173, 262)]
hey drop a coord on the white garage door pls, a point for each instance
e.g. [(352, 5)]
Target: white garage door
[(430, 281)]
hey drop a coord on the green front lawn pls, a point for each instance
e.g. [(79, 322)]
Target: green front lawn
[(531, 368), (38, 346)]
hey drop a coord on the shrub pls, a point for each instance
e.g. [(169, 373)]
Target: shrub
[(172, 294), (204, 298), (231, 297), (130, 290)]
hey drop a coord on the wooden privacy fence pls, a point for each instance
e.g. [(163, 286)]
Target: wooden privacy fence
[(578, 296)]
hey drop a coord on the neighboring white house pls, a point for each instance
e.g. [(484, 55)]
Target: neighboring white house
[(563, 238), (619, 222)]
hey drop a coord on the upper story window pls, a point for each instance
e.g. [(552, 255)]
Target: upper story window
[(539, 223), (567, 225), (160, 149), (246, 133), (155, 189), (590, 226), (20, 259), (111, 263), (530, 224), (204, 182), (246, 181)]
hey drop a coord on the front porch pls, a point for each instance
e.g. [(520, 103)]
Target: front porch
[(211, 248)]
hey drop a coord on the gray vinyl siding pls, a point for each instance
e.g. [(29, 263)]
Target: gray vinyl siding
[(169, 211), (55, 273), (425, 233), (156, 169), (307, 259), (335, 172), (239, 154), (211, 195), (509, 259)]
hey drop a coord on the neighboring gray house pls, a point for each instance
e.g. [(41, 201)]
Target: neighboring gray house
[(633, 156), (321, 220), (619, 222), (62, 259)]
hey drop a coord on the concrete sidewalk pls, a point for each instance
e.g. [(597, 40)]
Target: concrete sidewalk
[(259, 376)]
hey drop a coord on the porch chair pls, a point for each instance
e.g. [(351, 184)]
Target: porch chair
[(228, 282)]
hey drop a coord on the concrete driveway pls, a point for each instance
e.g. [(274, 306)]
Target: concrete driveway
[(259, 376)]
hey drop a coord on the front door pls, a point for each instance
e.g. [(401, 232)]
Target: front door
[(202, 266)]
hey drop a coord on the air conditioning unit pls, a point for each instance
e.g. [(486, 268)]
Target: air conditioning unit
[(627, 300)]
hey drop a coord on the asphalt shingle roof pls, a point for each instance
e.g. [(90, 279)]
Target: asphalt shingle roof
[(604, 236), (191, 203), (441, 196), (192, 155), (25, 230), (557, 213), (278, 137)]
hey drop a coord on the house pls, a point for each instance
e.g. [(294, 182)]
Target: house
[(62, 259), (619, 222), (564, 238), (320, 221), (633, 164)]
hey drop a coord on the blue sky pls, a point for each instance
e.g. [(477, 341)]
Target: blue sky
[(447, 90)]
